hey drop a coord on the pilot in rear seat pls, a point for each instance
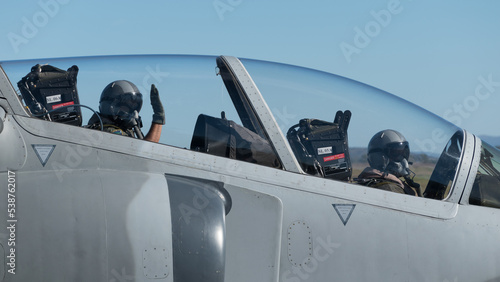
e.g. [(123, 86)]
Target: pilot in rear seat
[(119, 108), (388, 154)]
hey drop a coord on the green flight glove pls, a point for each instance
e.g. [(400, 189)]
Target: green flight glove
[(158, 112)]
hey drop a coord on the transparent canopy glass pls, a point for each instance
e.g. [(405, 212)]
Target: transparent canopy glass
[(190, 86)]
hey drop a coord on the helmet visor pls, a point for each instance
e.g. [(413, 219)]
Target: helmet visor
[(397, 151), (123, 105)]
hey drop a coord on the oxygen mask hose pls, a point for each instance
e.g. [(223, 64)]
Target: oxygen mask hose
[(409, 180), (137, 124)]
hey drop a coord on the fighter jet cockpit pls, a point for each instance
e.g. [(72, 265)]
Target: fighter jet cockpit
[(278, 116)]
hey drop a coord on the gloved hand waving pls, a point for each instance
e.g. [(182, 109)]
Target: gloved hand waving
[(158, 112)]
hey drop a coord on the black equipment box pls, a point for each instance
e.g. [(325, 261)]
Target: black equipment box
[(47, 88), (225, 138), (321, 147)]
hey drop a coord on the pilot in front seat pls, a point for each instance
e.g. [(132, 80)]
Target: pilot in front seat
[(119, 108), (388, 154)]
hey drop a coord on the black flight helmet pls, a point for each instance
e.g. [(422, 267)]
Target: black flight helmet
[(387, 146), (120, 99)]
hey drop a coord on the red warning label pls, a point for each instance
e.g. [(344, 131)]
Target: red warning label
[(63, 104), (334, 157)]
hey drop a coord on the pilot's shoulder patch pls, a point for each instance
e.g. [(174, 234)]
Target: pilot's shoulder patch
[(114, 129)]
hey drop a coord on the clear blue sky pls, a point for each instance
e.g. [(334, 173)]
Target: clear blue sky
[(435, 54)]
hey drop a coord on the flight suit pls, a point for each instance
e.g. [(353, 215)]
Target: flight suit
[(109, 126), (385, 181)]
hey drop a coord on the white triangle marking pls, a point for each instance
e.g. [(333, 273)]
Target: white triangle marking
[(344, 211), (43, 152)]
